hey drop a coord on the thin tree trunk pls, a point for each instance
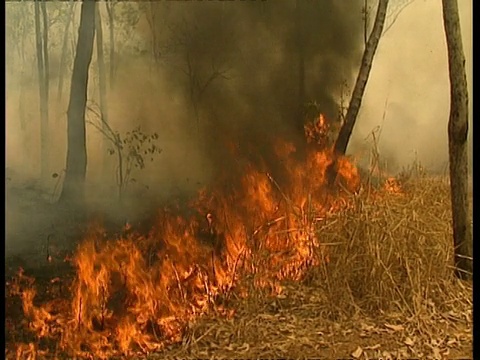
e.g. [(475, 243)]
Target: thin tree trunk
[(42, 92), (359, 89), (74, 37), (21, 102), (63, 57), (301, 63), (21, 107), (26, 136), (46, 62), (110, 11), (457, 141), (102, 81), (151, 21), (365, 22), (73, 187)]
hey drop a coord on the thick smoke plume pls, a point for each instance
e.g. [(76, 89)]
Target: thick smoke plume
[(220, 82), (238, 67)]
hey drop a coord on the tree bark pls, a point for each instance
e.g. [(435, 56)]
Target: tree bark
[(63, 56), (457, 141), (301, 63), (102, 80), (76, 168), (111, 16), (42, 92), (343, 138), (46, 62)]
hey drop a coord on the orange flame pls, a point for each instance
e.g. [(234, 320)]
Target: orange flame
[(393, 186), (137, 293)]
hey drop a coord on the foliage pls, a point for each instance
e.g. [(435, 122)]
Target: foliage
[(126, 16), (18, 24), (132, 149), (135, 148)]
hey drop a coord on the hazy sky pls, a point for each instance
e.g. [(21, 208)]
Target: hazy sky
[(410, 75)]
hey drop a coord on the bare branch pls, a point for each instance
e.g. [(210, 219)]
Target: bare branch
[(393, 14)]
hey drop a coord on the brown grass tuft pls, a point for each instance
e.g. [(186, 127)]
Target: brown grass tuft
[(394, 253)]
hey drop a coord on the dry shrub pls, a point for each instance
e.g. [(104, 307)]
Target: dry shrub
[(392, 252)]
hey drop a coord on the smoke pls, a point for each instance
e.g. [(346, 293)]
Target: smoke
[(236, 67), (226, 83), (408, 92)]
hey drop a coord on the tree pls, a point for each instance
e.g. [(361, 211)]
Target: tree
[(46, 62), (301, 58), (457, 141), (131, 149), (122, 18), (341, 143), (63, 57), (203, 64), (111, 16), (150, 14), (42, 87), (102, 81), (343, 138), (19, 23), (77, 150), (394, 12)]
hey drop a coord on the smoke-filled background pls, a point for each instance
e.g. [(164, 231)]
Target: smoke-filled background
[(216, 78), (408, 92), (203, 75)]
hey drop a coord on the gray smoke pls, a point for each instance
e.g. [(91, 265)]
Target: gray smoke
[(243, 60)]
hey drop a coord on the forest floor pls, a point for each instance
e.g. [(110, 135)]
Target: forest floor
[(426, 315)]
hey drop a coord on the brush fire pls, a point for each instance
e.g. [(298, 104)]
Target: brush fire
[(137, 293)]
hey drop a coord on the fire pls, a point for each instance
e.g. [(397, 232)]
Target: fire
[(392, 185), (138, 293)]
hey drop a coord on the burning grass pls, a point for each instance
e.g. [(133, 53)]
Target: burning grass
[(254, 250), (387, 289)]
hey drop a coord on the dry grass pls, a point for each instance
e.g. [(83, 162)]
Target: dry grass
[(387, 290), (396, 252)]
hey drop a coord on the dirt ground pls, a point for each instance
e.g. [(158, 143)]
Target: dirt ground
[(296, 327), (295, 324)]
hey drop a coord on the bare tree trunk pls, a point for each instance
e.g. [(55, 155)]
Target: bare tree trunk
[(74, 28), (73, 187), (111, 16), (457, 141), (63, 56), (102, 81), (21, 107), (152, 22), (301, 62), (366, 65), (365, 21), (42, 92), (46, 63), (21, 102), (26, 136)]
